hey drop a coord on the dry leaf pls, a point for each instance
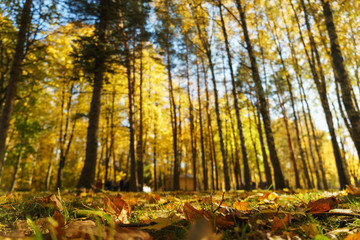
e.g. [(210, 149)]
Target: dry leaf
[(153, 198), (353, 190), (88, 229), (310, 230), (241, 206), (280, 223), (53, 200), (269, 197), (221, 221), (119, 208), (354, 236), (322, 205)]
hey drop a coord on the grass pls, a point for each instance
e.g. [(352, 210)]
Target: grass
[(19, 209)]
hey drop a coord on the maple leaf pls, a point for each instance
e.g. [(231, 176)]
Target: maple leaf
[(279, 224), (322, 205)]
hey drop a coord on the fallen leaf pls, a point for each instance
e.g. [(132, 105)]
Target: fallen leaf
[(53, 200), (89, 230), (322, 205), (241, 206), (354, 236), (192, 213), (163, 222), (152, 198), (310, 230), (119, 208), (278, 223), (269, 197), (353, 190)]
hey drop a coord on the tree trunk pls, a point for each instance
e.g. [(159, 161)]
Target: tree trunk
[(87, 177), (15, 73), (205, 174), (279, 178), (341, 76), (247, 172), (207, 49), (17, 167), (140, 163), (191, 116), (321, 87)]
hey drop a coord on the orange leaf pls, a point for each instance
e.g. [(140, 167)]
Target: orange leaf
[(241, 206), (280, 223), (152, 198), (322, 205), (354, 236), (269, 196)]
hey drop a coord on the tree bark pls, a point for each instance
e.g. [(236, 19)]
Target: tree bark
[(15, 73), (87, 177), (191, 116), (205, 173), (321, 87), (279, 178), (247, 172), (341, 75)]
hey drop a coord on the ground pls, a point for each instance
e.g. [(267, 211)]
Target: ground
[(286, 214)]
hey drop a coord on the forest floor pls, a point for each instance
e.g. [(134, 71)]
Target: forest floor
[(316, 215)]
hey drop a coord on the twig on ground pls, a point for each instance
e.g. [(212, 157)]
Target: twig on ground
[(222, 200)]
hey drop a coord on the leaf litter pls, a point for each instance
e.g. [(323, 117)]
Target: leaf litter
[(182, 215)]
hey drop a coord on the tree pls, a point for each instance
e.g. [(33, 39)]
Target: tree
[(87, 177), (279, 178), (15, 73), (341, 76)]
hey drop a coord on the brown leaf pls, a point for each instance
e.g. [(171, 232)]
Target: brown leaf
[(152, 198), (221, 221), (53, 200), (88, 229), (119, 208), (322, 205), (192, 213), (353, 190), (280, 223)]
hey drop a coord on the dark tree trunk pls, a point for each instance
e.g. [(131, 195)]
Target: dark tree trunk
[(247, 172), (279, 178), (140, 163), (191, 115), (87, 177), (173, 121), (321, 87), (207, 49), (205, 174), (211, 138), (15, 73), (341, 76)]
